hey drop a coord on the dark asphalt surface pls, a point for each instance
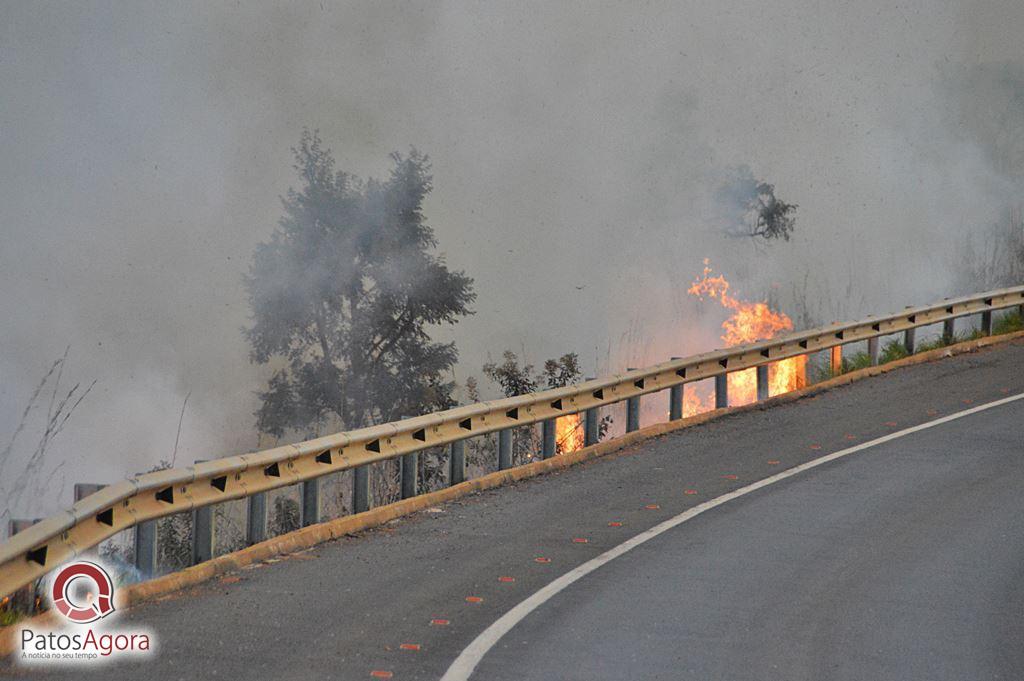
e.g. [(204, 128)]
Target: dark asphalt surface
[(899, 562)]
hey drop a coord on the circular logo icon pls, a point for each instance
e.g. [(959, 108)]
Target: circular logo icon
[(96, 602)]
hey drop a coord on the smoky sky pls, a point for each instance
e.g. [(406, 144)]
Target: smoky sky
[(576, 149)]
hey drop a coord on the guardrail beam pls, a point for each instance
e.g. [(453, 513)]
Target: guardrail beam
[(146, 497)]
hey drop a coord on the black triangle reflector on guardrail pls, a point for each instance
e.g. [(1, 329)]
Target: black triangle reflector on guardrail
[(106, 517), (639, 383), (373, 446), (37, 555), (513, 413), (724, 363), (420, 435), (324, 457), (466, 424), (876, 327), (219, 483), (681, 373), (766, 353), (949, 310), (557, 404), (912, 318), (272, 471), (599, 394), (166, 495), (839, 335), (803, 344)]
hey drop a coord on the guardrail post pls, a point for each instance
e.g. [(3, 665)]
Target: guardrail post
[(145, 547), (81, 491), (23, 598), (548, 446), (948, 331), (256, 526), (675, 403), (504, 449), (762, 383), (457, 463), (591, 427), (675, 400), (310, 502), (721, 391), (908, 340), (836, 360), (410, 466), (986, 322), (202, 532), (361, 489), (873, 350), (632, 411)]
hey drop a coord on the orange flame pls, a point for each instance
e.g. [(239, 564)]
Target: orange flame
[(568, 433), (748, 323)]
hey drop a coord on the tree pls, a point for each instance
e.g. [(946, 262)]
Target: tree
[(344, 295), (751, 208)]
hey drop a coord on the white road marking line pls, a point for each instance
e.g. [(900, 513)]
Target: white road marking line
[(464, 665)]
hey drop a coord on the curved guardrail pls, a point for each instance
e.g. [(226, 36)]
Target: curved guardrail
[(50, 542)]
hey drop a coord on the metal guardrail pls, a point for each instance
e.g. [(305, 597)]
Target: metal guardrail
[(43, 546)]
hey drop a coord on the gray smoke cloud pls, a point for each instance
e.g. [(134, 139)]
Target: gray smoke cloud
[(577, 148)]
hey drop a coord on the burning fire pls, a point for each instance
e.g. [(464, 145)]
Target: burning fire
[(568, 433), (748, 323)]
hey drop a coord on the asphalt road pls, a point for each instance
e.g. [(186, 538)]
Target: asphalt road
[(901, 561)]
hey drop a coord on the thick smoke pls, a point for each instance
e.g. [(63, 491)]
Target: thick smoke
[(576, 151)]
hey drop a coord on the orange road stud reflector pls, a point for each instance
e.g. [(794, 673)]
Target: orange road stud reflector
[(773, 462), (579, 540), (731, 476), (689, 491), (507, 580), (541, 559), (615, 523), (410, 646), (851, 437), (932, 412), (474, 599), (1005, 391), (381, 674), (891, 424), (652, 507), (439, 623), (966, 400), (815, 446)]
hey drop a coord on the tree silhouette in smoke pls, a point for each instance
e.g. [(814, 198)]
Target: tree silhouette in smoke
[(343, 296), (751, 209)]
